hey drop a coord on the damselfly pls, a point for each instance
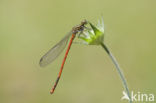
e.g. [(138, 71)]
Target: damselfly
[(54, 52)]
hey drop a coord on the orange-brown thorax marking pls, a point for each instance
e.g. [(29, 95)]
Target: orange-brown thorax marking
[(80, 27)]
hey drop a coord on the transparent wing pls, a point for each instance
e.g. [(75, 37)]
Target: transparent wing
[(54, 52)]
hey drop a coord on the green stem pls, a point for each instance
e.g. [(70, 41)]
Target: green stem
[(119, 70)]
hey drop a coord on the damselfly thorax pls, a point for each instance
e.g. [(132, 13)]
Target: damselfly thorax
[(79, 28)]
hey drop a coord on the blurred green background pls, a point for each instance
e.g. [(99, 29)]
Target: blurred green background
[(29, 28)]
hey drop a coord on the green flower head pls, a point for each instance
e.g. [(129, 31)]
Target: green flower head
[(95, 34)]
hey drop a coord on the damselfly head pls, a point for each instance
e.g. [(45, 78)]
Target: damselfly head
[(80, 27)]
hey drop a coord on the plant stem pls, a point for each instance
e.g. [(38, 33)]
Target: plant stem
[(119, 70)]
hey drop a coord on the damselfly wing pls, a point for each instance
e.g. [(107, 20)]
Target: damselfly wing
[(55, 51)]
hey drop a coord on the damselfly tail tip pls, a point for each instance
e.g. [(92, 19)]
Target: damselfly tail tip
[(52, 91)]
